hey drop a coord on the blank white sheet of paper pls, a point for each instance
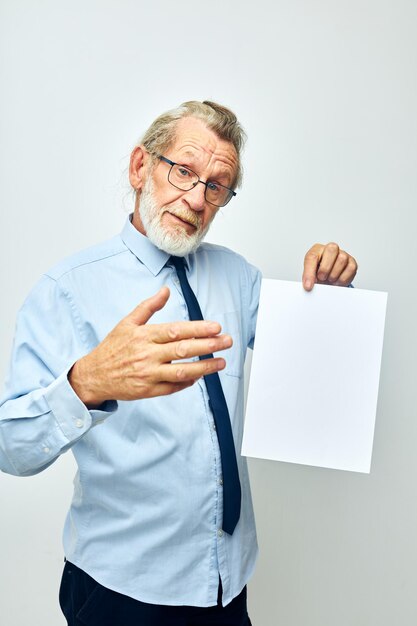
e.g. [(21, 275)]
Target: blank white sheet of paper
[(315, 373)]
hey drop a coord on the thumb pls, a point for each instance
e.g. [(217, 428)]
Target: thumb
[(144, 311), (311, 263)]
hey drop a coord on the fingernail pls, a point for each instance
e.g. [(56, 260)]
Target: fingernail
[(307, 284)]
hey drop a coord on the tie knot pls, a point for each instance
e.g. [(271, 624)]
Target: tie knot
[(178, 262)]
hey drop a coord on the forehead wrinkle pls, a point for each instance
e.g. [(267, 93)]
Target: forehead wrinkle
[(208, 152), (216, 160)]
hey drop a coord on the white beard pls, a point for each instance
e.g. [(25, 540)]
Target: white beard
[(173, 240)]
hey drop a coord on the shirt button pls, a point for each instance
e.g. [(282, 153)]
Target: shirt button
[(46, 449), (220, 532), (79, 423), (220, 481), (213, 426)]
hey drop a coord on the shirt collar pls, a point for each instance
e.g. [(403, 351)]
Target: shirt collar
[(143, 249)]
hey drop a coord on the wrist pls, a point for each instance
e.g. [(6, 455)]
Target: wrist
[(84, 386)]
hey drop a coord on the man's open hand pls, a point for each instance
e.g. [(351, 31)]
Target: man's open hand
[(328, 265), (140, 360)]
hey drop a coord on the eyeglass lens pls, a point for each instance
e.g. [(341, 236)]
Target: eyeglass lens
[(183, 178)]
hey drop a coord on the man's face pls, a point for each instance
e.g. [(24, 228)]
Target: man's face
[(175, 220)]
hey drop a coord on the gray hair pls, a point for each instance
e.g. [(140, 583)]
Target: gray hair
[(162, 132)]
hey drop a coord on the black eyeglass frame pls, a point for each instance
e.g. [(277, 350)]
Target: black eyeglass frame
[(206, 184)]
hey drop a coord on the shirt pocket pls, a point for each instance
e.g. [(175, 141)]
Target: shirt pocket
[(234, 356)]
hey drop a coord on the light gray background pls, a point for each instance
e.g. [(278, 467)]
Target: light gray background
[(327, 91)]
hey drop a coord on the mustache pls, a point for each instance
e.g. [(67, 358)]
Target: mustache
[(188, 216)]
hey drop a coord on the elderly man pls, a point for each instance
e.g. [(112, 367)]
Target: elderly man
[(161, 528)]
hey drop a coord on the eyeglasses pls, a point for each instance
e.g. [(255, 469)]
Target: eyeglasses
[(183, 178)]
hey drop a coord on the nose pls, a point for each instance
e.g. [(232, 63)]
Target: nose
[(195, 197)]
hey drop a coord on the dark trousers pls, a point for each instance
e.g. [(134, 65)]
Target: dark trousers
[(85, 602)]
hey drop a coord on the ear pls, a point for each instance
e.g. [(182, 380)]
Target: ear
[(137, 167)]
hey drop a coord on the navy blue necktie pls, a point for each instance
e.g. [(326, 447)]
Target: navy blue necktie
[(231, 484)]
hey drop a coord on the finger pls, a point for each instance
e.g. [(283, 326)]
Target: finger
[(339, 266), (188, 348), (327, 261), (349, 273), (176, 331), (144, 311), (165, 389), (311, 263), (186, 372)]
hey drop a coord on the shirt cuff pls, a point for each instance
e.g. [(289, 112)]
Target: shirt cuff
[(70, 412)]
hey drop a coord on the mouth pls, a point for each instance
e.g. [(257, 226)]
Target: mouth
[(187, 220)]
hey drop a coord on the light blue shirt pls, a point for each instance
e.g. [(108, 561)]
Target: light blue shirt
[(146, 515)]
